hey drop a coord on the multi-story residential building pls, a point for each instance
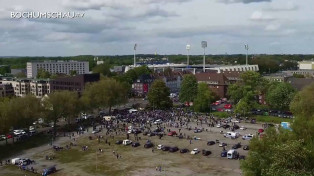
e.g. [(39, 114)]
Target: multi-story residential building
[(39, 88), (141, 85), (6, 90), (57, 67), (306, 65), (172, 79), (74, 83)]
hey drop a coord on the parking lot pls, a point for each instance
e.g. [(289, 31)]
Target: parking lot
[(140, 160)]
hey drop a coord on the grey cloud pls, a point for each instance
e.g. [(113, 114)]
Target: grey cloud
[(242, 1)]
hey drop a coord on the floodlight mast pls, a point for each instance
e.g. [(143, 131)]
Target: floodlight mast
[(246, 46), (188, 47), (204, 45), (135, 45)]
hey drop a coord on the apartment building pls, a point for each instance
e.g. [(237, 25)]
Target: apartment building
[(57, 67), (39, 88)]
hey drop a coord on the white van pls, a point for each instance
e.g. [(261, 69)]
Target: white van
[(232, 154), (232, 134), (127, 142), (15, 161)]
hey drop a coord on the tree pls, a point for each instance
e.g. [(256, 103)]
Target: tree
[(103, 69), (243, 107), (57, 105), (188, 89), (302, 107), (203, 99), (42, 74), (73, 72), (279, 96), (158, 95), (106, 94), (283, 152), (20, 75)]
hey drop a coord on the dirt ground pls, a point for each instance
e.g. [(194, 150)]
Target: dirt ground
[(138, 161)]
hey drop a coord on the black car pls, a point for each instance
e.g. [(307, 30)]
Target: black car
[(173, 149), (165, 148), (226, 126), (206, 152), (151, 134), (148, 145), (246, 147), (135, 144), (184, 150), (236, 146), (119, 142), (236, 127), (50, 170), (211, 143), (197, 130), (180, 136)]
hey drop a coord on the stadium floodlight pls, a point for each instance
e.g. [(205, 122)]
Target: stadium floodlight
[(204, 45), (188, 47), (246, 46), (135, 45)]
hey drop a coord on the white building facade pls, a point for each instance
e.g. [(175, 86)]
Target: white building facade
[(55, 67), (306, 65)]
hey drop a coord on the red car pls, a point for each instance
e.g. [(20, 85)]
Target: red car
[(172, 133), (220, 110), (260, 130), (228, 106), (9, 136)]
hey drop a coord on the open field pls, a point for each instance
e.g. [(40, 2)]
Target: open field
[(139, 160)]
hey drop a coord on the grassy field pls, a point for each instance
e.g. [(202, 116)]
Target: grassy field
[(13, 149), (271, 119), (11, 170)]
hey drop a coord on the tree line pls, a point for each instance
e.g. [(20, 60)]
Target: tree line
[(21, 112)]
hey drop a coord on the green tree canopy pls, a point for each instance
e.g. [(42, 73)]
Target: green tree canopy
[(42, 74), (279, 96), (106, 94), (188, 89), (103, 69), (158, 95), (203, 99)]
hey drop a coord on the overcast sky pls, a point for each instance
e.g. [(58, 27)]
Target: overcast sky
[(111, 27)]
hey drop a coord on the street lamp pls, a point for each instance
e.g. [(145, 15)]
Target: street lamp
[(204, 45), (188, 47), (246, 46), (135, 45)]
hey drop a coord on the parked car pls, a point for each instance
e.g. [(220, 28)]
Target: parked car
[(148, 145), (246, 147), (2, 137), (223, 153), (248, 137), (206, 152), (197, 130), (173, 149), (172, 133), (260, 130), (49, 170), (9, 136), (226, 126), (228, 106), (211, 142), (243, 128), (135, 144), (165, 148), (236, 146), (160, 146), (218, 125), (232, 135), (232, 154), (184, 150), (119, 142), (151, 134), (96, 131), (222, 144), (127, 142), (195, 151)]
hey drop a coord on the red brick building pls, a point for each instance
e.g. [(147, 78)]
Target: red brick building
[(217, 82)]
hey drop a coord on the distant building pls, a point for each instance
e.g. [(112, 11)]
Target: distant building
[(141, 85), (6, 90), (217, 82), (73, 83), (305, 73), (17, 71), (55, 67), (300, 83), (306, 65), (118, 69), (172, 80), (277, 77), (39, 88)]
